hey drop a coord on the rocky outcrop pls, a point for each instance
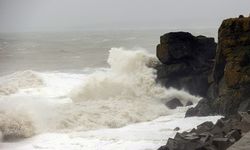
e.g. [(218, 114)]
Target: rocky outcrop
[(186, 61), (208, 136), (230, 82)]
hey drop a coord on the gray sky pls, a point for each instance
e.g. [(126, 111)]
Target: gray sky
[(42, 15)]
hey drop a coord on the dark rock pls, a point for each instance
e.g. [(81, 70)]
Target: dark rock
[(172, 144), (205, 137), (245, 116), (241, 16), (203, 108), (235, 134), (209, 136), (177, 129), (172, 104), (206, 126), (163, 148), (178, 46), (221, 143), (244, 106), (220, 123), (186, 61), (189, 103)]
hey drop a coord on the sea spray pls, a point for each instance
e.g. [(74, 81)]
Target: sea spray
[(20, 80), (123, 94)]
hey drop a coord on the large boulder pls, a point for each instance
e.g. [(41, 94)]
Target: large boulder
[(173, 103), (230, 83), (186, 61)]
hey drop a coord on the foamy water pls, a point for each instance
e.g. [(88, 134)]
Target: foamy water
[(140, 136), (54, 105)]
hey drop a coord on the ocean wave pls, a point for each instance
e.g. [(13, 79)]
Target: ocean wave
[(10, 84), (14, 125), (123, 94)]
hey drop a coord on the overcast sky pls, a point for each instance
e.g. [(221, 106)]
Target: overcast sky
[(42, 15)]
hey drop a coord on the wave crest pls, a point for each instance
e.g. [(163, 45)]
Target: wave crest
[(15, 125), (20, 80)]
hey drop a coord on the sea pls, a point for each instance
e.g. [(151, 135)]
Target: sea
[(87, 90)]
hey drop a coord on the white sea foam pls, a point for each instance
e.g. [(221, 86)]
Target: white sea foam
[(20, 80), (123, 94)]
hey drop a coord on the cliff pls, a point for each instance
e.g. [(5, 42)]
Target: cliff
[(229, 84)]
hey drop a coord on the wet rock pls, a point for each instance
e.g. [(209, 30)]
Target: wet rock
[(178, 46), (177, 129), (206, 126), (221, 143), (241, 16), (186, 61), (189, 103), (244, 106), (203, 108), (208, 136), (172, 104), (234, 134)]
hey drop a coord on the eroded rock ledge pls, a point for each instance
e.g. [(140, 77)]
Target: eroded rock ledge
[(186, 61)]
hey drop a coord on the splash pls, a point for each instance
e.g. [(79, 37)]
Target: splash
[(20, 80), (117, 96)]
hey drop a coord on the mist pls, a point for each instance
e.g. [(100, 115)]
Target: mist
[(67, 15)]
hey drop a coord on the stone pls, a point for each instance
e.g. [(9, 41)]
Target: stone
[(189, 103), (235, 134), (204, 127), (203, 108), (205, 137), (208, 136), (172, 104), (172, 144), (186, 61), (244, 106), (163, 148), (221, 143), (176, 46), (245, 116), (177, 129), (241, 16)]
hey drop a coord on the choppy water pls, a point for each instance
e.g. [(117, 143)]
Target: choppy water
[(76, 82), (73, 51)]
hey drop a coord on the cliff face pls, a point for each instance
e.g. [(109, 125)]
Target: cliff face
[(186, 61), (232, 68), (229, 90)]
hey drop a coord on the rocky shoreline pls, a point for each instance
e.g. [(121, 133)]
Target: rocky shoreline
[(220, 73)]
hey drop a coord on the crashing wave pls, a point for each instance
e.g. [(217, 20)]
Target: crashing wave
[(123, 94), (20, 80), (15, 125)]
